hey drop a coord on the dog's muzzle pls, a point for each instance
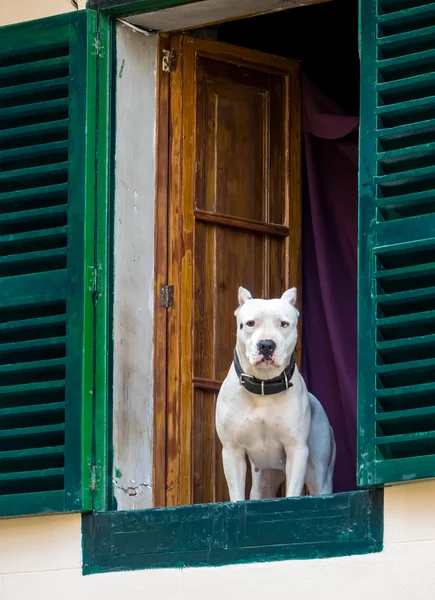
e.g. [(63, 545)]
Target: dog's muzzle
[(266, 348), (265, 387)]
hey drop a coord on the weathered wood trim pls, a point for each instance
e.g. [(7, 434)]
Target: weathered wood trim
[(161, 278), (229, 533)]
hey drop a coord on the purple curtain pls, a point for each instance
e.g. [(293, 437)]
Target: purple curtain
[(330, 269)]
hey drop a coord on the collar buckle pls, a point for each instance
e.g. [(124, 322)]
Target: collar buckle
[(242, 375)]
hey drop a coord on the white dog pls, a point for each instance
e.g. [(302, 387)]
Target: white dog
[(264, 410)]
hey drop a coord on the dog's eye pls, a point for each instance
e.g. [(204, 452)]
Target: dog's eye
[(285, 323), (250, 323)]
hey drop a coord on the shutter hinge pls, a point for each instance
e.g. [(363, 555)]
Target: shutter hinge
[(167, 296), (93, 478), (169, 61), (93, 284), (99, 48)]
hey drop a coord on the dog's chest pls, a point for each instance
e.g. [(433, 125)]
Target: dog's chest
[(263, 432)]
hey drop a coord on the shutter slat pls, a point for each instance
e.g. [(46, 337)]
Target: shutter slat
[(17, 94), (30, 174), (32, 256), (37, 214), (413, 413), (406, 66), (51, 67), (413, 365), (393, 274), (407, 16), (406, 326), (33, 289), (27, 324), (22, 417), (26, 434), (33, 261), (413, 85), (27, 134), (413, 319), (33, 152), (32, 366), (400, 297), (407, 439), (26, 411), (406, 111), (405, 469), (405, 230), (407, 374), (45, 196), (23, 475), (33, 345), (52, 109), (11, 456), (406, 205), (406, 133), (41, 235), (407, 177), (9, 390), (393, 157), (406, 391), (39, 480), (410, 343), (407, 41)]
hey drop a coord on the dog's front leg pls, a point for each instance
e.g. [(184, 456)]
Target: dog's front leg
[(235, 472), (295, 470)]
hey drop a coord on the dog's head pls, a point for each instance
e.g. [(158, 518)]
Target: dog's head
[(267, 329)]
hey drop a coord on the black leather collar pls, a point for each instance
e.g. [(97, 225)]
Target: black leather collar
[(265, 387)]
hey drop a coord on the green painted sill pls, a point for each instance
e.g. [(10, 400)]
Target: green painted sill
[(228, 533)]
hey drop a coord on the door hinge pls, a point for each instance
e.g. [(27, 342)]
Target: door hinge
[(166, 296), (169, 61)]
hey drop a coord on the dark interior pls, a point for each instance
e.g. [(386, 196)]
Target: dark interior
[(324, 37)]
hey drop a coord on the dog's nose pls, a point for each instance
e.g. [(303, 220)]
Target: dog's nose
[(266, 347)]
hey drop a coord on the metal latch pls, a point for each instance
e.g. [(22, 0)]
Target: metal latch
[(169, 61)]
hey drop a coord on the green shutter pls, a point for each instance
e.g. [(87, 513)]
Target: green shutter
[(396, 364), (47, 192)]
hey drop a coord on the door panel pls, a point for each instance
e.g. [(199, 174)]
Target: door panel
[(234, 219), (239, 110)]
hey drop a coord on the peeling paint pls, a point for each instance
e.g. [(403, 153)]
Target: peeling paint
[(134, 271), (121, 70)]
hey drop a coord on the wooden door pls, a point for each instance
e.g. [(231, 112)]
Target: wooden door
[(234, 219)]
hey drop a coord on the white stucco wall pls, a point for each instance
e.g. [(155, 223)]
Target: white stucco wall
[(16, 11), (40, 558)]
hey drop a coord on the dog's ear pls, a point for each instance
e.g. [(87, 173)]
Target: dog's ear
[(291, 296), (244, 295)]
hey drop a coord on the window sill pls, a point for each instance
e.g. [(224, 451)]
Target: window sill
[(227, 533)]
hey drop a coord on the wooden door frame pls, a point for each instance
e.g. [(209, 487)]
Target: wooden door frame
[(172, 416), (160, 333)]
